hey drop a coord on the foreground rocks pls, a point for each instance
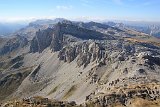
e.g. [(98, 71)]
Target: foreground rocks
[(138, 96), (38, 102), (123, 96)]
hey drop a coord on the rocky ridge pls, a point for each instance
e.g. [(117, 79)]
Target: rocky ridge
[(74, 63), (13, 44), (55, 37)]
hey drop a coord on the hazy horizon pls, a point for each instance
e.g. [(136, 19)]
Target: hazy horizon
[(25, 21)]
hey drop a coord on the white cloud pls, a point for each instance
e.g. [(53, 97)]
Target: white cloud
[(60, 7)]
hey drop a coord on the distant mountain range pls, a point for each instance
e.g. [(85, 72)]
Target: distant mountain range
[(151, 28), (8, 28)]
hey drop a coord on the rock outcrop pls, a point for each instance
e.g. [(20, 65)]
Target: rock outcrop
[(42, 40), (54, 37), (57, 41), (124, 96), (39, 101), (85, 53)]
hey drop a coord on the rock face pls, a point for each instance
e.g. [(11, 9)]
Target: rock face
[(41, 41), (13, 44), (84, 52), (83, 33), (55, 37), (91, 25), (57, 41)]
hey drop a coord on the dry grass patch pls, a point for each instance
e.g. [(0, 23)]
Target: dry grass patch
[(139, 102), (53, 90), (70, 92)]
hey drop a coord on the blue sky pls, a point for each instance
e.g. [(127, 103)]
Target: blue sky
[(141, 10)]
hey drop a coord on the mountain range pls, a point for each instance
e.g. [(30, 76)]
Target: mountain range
[(151, 28), (63, 63), (9, 28)]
